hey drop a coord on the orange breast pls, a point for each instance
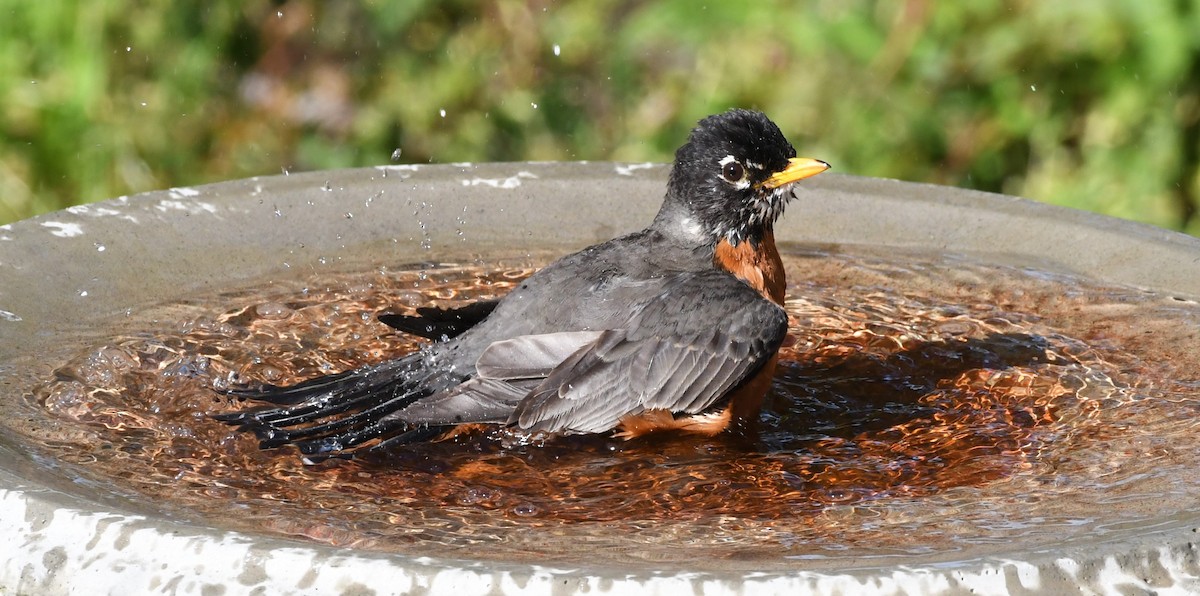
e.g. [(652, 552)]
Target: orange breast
[(762, 268), (759, 266)]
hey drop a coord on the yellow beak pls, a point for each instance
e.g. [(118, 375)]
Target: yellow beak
[(798, 168)]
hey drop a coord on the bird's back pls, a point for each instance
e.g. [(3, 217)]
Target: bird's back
[(619, 273)]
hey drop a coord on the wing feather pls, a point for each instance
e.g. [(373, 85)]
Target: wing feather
[(531, 356), (671, 356)]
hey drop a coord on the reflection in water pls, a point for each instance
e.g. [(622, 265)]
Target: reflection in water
[(922, 405)]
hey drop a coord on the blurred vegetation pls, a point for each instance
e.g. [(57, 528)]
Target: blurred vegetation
[(1091, 104)]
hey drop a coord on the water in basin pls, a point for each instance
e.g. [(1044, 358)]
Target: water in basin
[(926, 404)]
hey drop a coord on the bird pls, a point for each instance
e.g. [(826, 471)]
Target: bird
[(676, 327)]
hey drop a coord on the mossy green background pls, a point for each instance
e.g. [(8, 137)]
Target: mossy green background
[(1090, 104)]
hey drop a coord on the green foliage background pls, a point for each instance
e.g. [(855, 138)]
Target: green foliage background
[(1091, 104)]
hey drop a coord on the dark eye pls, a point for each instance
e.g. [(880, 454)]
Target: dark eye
[(733, 171)]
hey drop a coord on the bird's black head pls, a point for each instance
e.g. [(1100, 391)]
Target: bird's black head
[(732, 178)]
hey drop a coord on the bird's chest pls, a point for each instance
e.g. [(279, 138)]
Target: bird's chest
[(758, 265)]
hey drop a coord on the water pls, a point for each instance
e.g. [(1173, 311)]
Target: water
[(924, 405)]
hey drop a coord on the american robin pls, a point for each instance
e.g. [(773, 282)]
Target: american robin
[(675, 327)]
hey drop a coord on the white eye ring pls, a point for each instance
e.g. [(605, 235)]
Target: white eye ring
[(733, 172)]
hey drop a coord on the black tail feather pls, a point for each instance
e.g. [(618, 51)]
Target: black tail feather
[(438, 323), (348, 440), (293, 394), (337, 415), (272, 435), (332, 401)]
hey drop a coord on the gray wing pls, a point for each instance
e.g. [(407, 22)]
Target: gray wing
[(681, 351), (506, 373)]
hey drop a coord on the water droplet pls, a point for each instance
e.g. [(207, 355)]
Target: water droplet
[(526, 510), (128, 48), (327, 187), (273, 310), (557, 50), (1033, 87), (83, 293), (442, 112), (99, 247), (533, 104), (396, 155)]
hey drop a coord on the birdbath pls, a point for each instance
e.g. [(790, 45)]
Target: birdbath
[(979, 394)]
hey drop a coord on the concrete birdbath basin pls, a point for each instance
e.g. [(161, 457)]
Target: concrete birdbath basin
[(981, 395)]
